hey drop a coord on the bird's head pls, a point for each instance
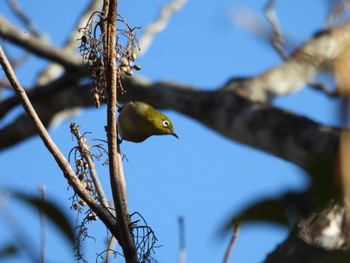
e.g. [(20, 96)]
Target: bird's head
[(162, 125)]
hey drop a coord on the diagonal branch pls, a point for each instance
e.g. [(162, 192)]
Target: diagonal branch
[(282, 79), (159, 25), (275, 131), (41, 92), (276, 38), (300, 69), (336, 10), (51, 146), (39, 47), (17, 10), (88, 157), (52, 70)]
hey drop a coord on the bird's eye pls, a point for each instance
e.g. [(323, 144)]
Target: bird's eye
[(166, 123)]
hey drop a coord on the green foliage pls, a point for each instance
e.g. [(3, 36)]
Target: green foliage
[(289, 207), (279, 210), (50, 210)]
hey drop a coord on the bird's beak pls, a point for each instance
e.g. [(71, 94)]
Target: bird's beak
[(174, 134)]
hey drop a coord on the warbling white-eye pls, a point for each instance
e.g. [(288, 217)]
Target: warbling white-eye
[(137, 121)]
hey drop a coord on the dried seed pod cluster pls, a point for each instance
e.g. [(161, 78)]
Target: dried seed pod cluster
[(82, 172), (92, 51), (92, 217), (125, 64)]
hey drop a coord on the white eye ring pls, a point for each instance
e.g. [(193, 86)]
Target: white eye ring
[(166, 123)]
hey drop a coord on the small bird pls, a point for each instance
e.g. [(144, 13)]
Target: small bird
[(137, 121)]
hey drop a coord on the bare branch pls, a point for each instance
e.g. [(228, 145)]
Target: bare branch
[(288, 77), (23, 18), (159, 25), (232, 242), (303, 65), (59, 85), (42, 190), (39, 47), (71, 42), (282, 79), (53, 69), (276, 38), (182, 248), (338, 8), (247, 20), (116, 173), (110, 249), (267, 128), (86, 154), (69, 174), (344, 151)]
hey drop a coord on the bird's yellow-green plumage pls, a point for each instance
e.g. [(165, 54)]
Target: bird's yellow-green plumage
[(137, 121)]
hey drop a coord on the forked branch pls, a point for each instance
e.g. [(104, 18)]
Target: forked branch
[(109, 29), (62, 162)]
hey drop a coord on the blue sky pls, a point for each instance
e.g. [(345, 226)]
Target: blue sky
[(203, 177)]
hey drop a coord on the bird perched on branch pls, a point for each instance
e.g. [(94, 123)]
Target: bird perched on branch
[(137, 121)]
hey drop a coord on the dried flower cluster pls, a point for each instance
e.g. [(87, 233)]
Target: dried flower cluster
[(83, 157), (144, 238), (92, 51)]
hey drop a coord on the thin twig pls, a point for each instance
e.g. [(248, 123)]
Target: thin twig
[(182, 249), (276, 39), (324, 89), (72, 39), (62, 162), (335, 12), (39, 92), (110, 249), (40, 47), (112, 241), (52, 70), (232, 242), (84, 150), (23, 18), (42, 225)]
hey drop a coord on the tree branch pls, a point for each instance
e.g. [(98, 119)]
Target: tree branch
[(68, 173), (275, 131), (116, 172), (41, 92), (300, 69), (294, 249), (285, 78), (159, 25), (52, 70), (232, 242), (36, 45), (17, 10), (86, 154), (276, 38)]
